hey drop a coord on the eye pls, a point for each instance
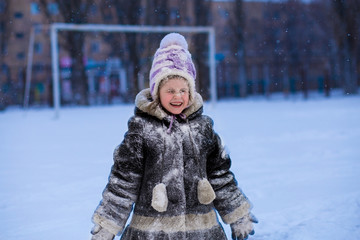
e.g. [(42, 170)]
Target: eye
[(171, 91), (183, 91)]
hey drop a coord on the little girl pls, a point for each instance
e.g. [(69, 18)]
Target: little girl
[(171, 166)]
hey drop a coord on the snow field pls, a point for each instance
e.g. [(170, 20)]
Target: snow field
[(298, 162)]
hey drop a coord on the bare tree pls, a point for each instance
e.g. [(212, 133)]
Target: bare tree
[(201, 15), (237, 23), (4, 28), (72, 12), (322, 14), (297, 48), (347, 27), (5, 32), (156, 14), (126, 12), (112, 12)]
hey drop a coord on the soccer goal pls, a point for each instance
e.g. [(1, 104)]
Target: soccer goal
[(56, 27)]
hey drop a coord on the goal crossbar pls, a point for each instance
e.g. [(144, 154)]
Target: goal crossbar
[(55, 27)]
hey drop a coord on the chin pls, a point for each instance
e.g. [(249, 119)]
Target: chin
[(175, 111)]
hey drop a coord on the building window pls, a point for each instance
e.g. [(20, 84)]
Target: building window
[(20, 55), (2, 26), (108, 17), (95, 47), (34, 8), (276, 15), (2, 6), (4, 69), (38, 68), (224, 13), (93, 9), (21, 74), (53, 8), (38, 48), (174, 13), (19, 35), (37, 28), (4, 49), (18, 15)]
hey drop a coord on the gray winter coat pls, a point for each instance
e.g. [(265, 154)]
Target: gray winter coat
[(178, 156)]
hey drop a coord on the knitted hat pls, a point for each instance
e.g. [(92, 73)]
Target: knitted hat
[(172, 58)]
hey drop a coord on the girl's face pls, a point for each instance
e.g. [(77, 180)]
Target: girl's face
[(174, 95)]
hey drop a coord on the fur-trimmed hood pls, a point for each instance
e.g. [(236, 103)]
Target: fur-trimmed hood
[(145, 103)]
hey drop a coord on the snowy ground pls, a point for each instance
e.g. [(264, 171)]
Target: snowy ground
[(298, 161)]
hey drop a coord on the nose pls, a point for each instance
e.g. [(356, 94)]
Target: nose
[(177, 93)]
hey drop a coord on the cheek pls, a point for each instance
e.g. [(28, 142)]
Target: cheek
[(164, 99), (186, 100)]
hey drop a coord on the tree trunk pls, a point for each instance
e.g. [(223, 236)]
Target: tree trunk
[(347, 30), (238, 26), (350, 76), (201, 19), (78, 76), (242, 73)]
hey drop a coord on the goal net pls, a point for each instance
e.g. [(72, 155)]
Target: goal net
[(119, 73)]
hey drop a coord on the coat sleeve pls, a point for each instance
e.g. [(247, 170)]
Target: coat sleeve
[(230, 201), (123, 185)]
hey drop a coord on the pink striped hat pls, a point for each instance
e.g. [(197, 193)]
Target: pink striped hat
[(172, 58)]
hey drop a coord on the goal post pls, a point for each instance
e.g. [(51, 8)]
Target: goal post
[(55, 27)]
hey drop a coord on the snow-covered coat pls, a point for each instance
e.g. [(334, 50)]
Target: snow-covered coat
[(179, 155)]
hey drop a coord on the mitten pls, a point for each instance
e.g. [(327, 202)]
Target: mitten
[(100, 233), (243, 227)]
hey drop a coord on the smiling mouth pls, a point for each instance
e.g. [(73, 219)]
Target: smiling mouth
[(176, 104)]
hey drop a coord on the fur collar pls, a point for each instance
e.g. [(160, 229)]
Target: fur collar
[(145, 103)]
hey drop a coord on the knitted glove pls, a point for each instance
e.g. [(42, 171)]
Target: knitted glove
[(243, 227), (100, 233)]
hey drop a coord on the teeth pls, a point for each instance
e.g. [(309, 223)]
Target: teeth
[(176, 104)]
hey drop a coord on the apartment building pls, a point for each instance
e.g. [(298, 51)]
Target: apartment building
[(267, 55)]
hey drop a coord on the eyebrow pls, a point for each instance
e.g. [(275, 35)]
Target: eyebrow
[(171, 88)]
